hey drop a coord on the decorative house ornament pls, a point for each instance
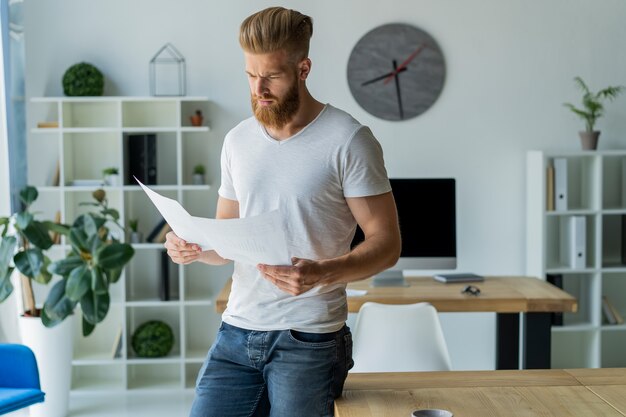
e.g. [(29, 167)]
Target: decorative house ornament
[(167, 72)]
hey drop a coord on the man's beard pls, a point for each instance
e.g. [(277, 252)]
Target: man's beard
[(279, 113)]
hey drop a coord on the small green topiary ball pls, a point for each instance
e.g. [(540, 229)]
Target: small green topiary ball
[(153, 339), (83, 79)]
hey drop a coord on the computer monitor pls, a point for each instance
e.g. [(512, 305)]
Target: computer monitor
[(427, 216)]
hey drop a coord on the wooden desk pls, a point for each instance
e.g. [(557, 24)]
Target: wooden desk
[(506, 296), (558, 393)]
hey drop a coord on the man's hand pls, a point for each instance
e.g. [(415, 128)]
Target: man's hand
[(303, 275), (180, 251)]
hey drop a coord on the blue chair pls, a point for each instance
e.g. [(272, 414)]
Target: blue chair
[(19, 378)]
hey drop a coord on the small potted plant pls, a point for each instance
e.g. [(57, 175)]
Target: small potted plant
[(135, 235), (591, 111), (196, 119), (198, 174), (111, 176)]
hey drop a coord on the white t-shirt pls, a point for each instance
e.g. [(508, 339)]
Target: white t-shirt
[(307, 177)]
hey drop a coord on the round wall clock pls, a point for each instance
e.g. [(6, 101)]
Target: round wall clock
[(396, 71)]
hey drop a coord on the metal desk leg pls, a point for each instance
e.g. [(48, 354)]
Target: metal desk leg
[(507, 340), (537, 340)]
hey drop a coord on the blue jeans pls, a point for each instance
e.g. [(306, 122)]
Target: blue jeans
[(283, 373)]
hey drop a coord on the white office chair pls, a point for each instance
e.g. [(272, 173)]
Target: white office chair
[(399, 338)]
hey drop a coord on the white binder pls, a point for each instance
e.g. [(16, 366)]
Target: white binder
[(560, 184), (623, 187), (574, 241)]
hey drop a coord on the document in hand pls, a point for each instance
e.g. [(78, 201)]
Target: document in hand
[(251, 240)]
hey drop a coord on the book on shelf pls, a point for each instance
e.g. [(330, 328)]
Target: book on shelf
[(611, 314), (47, 125), (550, 188), (54, 236), (168, 280), (557, 281), (116, 351), (86, 183), (140, 158), (56, 175), (560, 184), (623, 238), (155, 230), (161, 236), (458, 277)]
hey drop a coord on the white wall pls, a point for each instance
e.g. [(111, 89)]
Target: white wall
[(510, 65)]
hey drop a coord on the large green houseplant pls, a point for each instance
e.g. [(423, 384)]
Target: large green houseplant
[(592, 109), (94, 262)]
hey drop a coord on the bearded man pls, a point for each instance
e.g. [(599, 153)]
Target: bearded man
[(283, 348)]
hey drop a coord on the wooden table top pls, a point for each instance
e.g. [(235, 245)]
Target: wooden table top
[(498, 294), (558, 393)]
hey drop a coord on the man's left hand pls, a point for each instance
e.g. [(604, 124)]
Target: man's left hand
[(303, 275)]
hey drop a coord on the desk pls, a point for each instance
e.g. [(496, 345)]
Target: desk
[(558, 393), (506, 296)]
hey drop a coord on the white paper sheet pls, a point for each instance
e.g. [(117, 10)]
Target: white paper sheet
[(251, 240)]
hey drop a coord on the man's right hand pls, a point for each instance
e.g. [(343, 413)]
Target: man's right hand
[(180, 251)]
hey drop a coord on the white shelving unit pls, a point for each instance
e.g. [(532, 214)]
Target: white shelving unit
[(91, 135), (596, 189)]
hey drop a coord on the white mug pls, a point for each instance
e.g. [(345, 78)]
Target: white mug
[(431, 413)]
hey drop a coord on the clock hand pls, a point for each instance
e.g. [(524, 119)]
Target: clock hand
[(398, 89), (405, 63), (373, 80)]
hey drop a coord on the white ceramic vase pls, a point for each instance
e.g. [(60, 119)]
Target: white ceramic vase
[(53, 348)]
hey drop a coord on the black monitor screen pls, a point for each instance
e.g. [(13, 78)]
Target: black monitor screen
[(427, 215)]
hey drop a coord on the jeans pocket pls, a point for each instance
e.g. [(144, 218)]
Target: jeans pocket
[(316, 340), (347, 340)]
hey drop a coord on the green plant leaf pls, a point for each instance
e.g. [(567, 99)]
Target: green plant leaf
[(38, 235), (98, 282), (4, 223), (23, 219), (63, 267), (82, 219), (113, 275), (78, 283), (78, 240), (29, 262), (58, 306), (62, 229), (111, 212), (28, 194), (44, 276), (6, 288), (95, 306), (47, 321), (94, 243), (7, 249), (87, 327), (89, 225), (114, 255)]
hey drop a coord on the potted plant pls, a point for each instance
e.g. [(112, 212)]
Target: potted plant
[(94, 262), (135, 234), (196, 119), (592, 109), (111, 176), (83, 79), (198, 174)]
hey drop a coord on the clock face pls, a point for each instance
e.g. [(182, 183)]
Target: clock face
[(396, 71)]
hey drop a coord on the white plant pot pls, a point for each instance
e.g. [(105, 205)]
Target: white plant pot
[(53, 348), (136, 237), (112, 180), (198, 179)]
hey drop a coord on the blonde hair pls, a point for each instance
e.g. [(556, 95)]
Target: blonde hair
[(277, 28)]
